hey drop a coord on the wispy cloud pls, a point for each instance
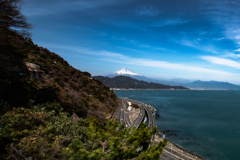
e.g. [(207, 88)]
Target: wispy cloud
[(82, 50), (168, 22), (46, 7), (231, 55), (120, 58), (226, 14), (141, 45), (172, 66), (237, 50), (219, 39), (197, 45), (221, 61), (144, 46), (174, 21), (146, 11)]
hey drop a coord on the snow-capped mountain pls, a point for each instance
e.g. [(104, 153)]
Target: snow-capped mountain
[(124, 72), (176, 82), (128, 73)]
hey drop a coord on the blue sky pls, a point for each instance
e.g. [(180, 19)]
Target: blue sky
[(161, 39)]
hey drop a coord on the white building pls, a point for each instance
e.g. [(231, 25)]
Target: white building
[(129, 108)]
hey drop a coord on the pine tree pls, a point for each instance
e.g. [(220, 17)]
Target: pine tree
[(11, 17), (115, 142)]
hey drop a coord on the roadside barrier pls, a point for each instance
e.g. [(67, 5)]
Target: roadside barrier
[(18, 153)]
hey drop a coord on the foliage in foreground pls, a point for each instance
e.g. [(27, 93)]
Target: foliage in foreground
[(45, 134), (115, 142), (41, 134)]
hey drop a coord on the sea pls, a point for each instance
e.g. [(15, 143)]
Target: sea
[(205, 122)]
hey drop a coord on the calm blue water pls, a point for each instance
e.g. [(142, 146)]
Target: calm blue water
[(206, 122)]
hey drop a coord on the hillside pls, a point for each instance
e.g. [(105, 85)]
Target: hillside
[(38, 115), (212, 85), (128, 82), (50, 110), (75, 90)]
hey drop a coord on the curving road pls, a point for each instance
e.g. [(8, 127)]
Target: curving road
[(123, 115), (151, 120), (140, 118), (144, 110)]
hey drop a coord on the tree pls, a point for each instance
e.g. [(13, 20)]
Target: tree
[(114, 142), (11, 17)]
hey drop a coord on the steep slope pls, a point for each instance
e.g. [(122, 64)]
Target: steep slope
[(128, 82), (76, 90)]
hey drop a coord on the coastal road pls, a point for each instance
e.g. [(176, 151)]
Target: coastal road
[(151, 124), (168, 152), (121, 113), (139, 119), (151, 121), (126, 119), (143, 109), (164, 156), (177, 154), (124, 115)]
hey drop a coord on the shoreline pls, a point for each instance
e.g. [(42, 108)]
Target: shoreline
[(182, 150), (176, 147), (132, 89), (189, 89), (187, 151)]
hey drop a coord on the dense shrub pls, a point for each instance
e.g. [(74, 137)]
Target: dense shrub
[(40, 133), (114, 142)]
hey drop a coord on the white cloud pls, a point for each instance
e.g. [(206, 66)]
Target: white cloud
[(32, 8), (195, 44), (120, 58), (144, 46), (146, 11), (168, 22), (226, 14), (232, 55), (237, 50), (219, 39), (175, 21), (159, 67), (222, 61), (232, 32)]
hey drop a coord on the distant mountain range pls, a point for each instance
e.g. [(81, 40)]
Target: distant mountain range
[(130, 83), (177, 82), (212, 85)]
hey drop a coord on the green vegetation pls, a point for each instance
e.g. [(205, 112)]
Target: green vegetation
[(41, 134), (114, 142), (44, 133)]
